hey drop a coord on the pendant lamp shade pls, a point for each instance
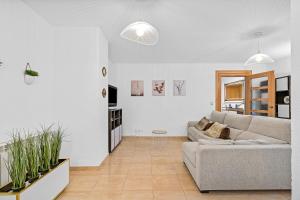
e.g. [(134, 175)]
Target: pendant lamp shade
[(141, 32), (259, 58)]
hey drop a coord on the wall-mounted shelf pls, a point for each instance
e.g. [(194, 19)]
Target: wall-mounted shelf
[(260, 88)]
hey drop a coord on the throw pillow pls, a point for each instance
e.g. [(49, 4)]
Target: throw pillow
[(215, 142), (203, 124), (218, 130)]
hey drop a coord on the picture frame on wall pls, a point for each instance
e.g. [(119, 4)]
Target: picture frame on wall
[(158, 87), (179, 88), (137, 88)]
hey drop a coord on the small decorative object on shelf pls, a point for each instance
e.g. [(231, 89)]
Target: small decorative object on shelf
[(104, 71), (104, 92), (286, 99), (29, 75)]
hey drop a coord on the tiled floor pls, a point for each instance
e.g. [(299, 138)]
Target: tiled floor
[(148, 169)]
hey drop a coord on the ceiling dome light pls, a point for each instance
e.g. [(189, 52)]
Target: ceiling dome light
[(141, 32), (259, 58)]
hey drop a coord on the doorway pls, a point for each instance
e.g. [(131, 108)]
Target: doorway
[(242, 92)]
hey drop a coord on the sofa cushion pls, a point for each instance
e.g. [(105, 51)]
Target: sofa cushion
[(196, 134), (234, 133), (251, 142), (237, 121), (203, 124), (215, 142), (218, 130), (247, 135), (189, 149), (271, 127), (216, 116)]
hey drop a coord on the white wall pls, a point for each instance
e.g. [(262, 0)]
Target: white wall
[(24, 37), (282, 67), (143, 114), (295, 7), (80, 54), (68, 90)]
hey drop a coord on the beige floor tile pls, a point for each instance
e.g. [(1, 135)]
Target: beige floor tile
[(141, 160), (162, 160), (163, 169), (169, 182), (110, 183), (121, 169), (140, 169), (181, 169), (196, 195), (105, 195), (187, 183), (82, 183), (121, 160), (138, 183), (138, 195), (73, 196), (169, 195)]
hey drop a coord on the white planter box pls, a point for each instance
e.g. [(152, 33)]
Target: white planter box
[(47, 187)]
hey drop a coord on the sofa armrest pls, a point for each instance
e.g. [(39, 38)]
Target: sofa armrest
[(191, 123), (228, 167)]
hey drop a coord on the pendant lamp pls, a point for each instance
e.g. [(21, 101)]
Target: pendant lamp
[(259, 58), (141, 32)]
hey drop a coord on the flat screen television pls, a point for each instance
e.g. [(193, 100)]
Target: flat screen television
[(112, 96)]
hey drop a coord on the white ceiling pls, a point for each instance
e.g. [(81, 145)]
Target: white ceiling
[(190, 30)]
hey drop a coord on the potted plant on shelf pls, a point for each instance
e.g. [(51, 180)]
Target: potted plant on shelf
[(32, 152), (29, 74), (16, 164), (55, 144), (44, 149)]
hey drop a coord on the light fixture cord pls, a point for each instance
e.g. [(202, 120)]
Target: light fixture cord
[(259, 36), (259, 45)]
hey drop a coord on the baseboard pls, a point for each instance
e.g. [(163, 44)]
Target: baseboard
[(78, 168)]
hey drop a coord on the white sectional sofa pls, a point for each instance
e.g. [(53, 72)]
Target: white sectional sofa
[(241, 167)]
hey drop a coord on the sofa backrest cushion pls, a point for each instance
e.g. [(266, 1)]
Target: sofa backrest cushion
[(237, 121), (271, 127), (234, 133), (216, 116), (247, 135)]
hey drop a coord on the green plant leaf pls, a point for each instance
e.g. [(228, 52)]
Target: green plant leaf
[(17, 162), (30, 72)]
